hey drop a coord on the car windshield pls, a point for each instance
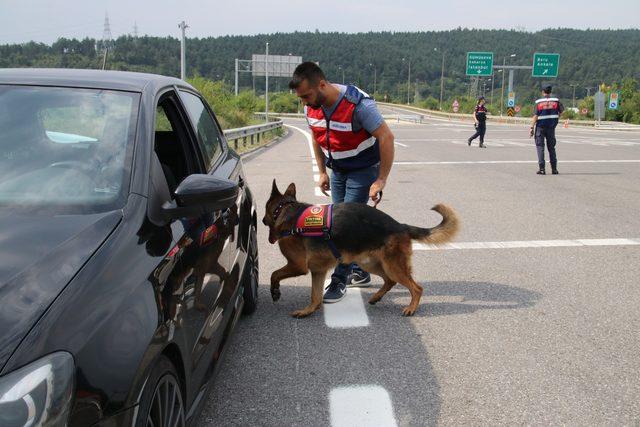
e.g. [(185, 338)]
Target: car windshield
[(65, 147)]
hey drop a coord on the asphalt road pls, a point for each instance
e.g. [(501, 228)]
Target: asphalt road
[(543, 331)]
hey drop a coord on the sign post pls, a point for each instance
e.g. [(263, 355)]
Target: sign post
[(479, 63), (545, 64), (598, 103)]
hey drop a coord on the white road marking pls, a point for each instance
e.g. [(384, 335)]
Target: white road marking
[(474, 162), (314, 166), (528, 244), (400, 144), (360, 406), (348, 313), (368, 405)]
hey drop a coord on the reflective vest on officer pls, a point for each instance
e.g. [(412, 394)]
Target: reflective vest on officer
[(548, 111), (345, 144)]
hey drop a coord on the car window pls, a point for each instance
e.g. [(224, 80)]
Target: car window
[(209, 134), (65, 146)]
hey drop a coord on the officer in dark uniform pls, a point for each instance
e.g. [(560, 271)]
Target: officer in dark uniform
[(480, 119), (545, 119)]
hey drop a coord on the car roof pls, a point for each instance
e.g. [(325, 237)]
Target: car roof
[(97, 79)]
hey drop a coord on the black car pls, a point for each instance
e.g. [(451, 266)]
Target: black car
[(127, 248)]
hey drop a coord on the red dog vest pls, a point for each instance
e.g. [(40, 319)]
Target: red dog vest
[(315, 221)]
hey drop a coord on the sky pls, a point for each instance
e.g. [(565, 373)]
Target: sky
[(47, 20)]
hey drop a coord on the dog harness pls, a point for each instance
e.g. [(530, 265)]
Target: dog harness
[(315, 221)]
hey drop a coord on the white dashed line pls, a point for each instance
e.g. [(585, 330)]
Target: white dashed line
[(348, 313), (528, 244), (366, 405), (314, 167)]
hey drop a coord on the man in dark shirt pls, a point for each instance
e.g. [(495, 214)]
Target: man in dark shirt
[(480, 119)]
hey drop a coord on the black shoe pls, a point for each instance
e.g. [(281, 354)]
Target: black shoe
[(335, 292), (541, 172), (358, 278), (555, 171), (483, 146), (469, 142)]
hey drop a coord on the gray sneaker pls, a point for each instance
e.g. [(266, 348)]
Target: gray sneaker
[(358, 278), (335, 292)]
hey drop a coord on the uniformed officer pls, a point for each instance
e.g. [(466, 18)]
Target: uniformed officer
[(350, 137), (480, 119), (545, 119)]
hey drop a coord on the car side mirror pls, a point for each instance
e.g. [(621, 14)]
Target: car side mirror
[(199, 194)]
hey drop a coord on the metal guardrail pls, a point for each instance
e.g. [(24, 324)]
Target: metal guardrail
[(251, 134), (513, 120)]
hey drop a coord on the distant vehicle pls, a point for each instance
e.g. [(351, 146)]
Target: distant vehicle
[(127, 248)]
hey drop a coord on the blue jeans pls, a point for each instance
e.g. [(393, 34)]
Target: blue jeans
[(351, 186)]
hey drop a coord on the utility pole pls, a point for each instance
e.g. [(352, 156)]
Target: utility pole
[(106, 39), (442, 81), (409, 83), (573, 103), (493, 78), (504, 62), (266, 83), (183, 26), (236, 91)]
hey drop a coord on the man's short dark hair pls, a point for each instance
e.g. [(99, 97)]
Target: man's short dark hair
[(306, 71), (546, 89)]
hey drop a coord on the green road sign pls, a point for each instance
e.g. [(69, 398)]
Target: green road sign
[(479, 63), (545, 64)]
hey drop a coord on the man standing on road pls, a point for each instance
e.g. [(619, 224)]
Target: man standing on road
[(480, 119), (352, 139), (545, 119)]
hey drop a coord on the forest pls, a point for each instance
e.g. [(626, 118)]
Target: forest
[(393, 66)]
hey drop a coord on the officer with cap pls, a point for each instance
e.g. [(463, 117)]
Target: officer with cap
[(480, 119), (545, 119)]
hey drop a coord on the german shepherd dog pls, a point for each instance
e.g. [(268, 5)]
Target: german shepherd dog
[(362, 234)]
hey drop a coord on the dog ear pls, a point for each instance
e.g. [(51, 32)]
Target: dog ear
[(274, 189), (291, 190)]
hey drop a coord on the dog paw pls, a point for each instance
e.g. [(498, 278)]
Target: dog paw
[(299, 314), (373, 300), (275, 294), (408, 311)]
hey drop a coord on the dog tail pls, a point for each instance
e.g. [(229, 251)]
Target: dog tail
[(441, 233)]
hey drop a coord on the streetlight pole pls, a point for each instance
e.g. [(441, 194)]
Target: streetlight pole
[(409, 83), (183, 26), (340, 68), (504, 62), (266, 83), (408, 78), (441, 78)]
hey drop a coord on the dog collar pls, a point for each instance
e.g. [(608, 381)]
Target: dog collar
[(278, 209)]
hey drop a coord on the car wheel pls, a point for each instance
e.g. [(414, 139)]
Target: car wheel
[(250, 293), (162, 403)]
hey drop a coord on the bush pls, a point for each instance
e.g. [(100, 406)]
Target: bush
[(430, 103), (283, 102)]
